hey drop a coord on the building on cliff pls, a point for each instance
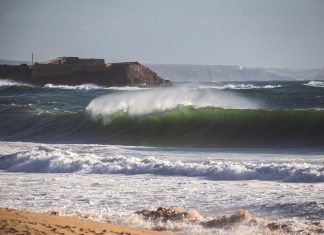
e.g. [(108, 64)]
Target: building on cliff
[(66, 65)]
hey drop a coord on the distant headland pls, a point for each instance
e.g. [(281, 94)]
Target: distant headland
[(77, 71)]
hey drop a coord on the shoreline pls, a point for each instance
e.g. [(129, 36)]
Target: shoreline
[(14, 221)]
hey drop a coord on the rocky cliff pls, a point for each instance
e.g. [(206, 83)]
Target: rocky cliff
[(19, 73), (115, 74)]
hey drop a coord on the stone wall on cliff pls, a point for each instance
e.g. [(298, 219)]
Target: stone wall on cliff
[(46, 70)]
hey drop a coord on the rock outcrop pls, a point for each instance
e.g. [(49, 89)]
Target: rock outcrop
[(115, 74), (169, 214), (19, 73)]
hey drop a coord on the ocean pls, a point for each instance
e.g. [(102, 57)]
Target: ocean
[(212, 147)]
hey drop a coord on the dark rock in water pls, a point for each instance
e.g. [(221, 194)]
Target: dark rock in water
[(168, 214), (54, 213), (75, 71)]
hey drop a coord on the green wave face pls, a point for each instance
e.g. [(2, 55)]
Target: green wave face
[(216, 127)]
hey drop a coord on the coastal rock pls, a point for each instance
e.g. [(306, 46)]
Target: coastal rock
[(19, 73), (75, 71), (169, 214)]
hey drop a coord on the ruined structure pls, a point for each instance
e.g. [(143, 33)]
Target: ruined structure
[(76, 71)]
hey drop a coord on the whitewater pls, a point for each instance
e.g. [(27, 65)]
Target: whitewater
[(208, 148)]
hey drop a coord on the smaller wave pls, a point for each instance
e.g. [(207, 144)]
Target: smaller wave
[(17, 105), (240, 87), (53, 160), (8, 82), (128, 88), (92, 87), (78, 87), (315, 84)]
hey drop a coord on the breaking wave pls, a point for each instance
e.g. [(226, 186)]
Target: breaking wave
[(92, 87), (315, 84), (8, 82), (240, 86), (160, 100), (177, 116), (54, 160), (79, 87)]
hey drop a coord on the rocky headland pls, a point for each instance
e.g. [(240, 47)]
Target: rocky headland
[(75, 71)]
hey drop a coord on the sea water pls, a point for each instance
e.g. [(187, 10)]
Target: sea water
[(105, 153)]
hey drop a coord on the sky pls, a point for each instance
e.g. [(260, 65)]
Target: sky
[(252, 33)]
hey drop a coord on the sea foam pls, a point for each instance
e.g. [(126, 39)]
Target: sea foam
[(54, 160)]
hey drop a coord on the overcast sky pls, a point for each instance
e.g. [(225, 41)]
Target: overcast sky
[(276, 33)]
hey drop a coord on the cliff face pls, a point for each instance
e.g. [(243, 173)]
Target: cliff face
[(134, 74), (116, 74)]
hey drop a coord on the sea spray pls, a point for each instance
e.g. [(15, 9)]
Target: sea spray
[(163, 99)]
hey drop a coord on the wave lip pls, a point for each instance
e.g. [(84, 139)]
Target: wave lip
[(54, 160)]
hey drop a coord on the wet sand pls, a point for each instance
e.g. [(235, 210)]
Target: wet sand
[(27, 223)]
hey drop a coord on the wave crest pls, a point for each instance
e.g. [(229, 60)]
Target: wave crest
[(160, 100)]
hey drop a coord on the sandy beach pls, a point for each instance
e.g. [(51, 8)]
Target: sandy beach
[(23, 222)]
